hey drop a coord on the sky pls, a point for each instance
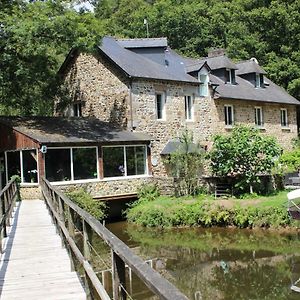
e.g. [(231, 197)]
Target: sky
[(84, 5)]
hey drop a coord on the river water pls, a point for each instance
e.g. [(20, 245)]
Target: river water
[(218, 263)]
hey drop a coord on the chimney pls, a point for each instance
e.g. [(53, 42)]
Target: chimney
[(216, 52)]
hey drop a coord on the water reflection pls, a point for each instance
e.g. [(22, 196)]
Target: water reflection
[(220, 263)]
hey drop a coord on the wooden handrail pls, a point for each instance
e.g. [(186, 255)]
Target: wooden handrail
[(62, 207), (8, 197)]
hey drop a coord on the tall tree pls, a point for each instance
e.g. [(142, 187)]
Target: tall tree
[(34, 39)]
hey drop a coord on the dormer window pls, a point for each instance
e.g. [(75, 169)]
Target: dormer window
[(230, 76), (203, 79), (259, 80)]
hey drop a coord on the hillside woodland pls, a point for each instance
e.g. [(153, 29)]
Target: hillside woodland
[(36, 36)]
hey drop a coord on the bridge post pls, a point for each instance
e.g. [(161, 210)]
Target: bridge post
[(2, 231), (6, 206), (118, 277), (3, 208), (87, 238), (71, 230)]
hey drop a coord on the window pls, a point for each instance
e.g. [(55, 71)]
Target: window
[(77, 109), (257, 80), (189, 107), (29, 159), (203, 78), (58, 164), (160, 106), (228, 110), (230, 76), (13, 162), (84, 163), (69, 164), (258, 117), (124, 161), (283, 117), (24, 164)]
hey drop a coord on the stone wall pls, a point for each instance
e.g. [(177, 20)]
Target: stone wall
[(108, 95), (145, 119), (101, 88), (30, 193), (106, 188), (244, 114)]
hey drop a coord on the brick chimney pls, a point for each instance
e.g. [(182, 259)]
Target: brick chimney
[(216, 52)]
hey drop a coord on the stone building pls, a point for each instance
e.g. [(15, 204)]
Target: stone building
[(144, 86)]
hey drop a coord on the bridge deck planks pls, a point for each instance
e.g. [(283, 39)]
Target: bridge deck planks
[(34, 264)]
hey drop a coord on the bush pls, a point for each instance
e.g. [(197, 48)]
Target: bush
[(203, 213), (85, 201), (148, 192)]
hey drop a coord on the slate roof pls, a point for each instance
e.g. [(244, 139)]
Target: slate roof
[(176, 145), (136, 65), (142, 43), (60, 130), (136, 59), (249, 66), (244, 90)]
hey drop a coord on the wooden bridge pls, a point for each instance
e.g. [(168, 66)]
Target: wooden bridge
[(52, 249)]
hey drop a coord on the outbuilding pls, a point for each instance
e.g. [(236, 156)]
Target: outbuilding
[(71, 151)]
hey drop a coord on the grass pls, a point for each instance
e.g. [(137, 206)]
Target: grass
[(204, 210)]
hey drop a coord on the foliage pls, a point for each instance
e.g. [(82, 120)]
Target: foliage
[(185, 165), (35, 38), (148, 192), (244, 154), (172, 212), (85, 201), (291, 160)]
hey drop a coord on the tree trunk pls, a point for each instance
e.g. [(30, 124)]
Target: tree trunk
[(251, 189)]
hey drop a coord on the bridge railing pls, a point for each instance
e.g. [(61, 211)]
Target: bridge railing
[(8, 197), (65, 214)]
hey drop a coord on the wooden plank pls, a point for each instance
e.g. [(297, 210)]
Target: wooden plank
[(34, 265), (155, 282)]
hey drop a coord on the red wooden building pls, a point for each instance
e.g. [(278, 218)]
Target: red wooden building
[(70, 150)]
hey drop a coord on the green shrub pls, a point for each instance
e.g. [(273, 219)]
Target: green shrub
[(171, 213), (148, 192), (85, 201)]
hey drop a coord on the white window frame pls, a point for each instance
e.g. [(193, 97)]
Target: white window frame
[(258, 114), (284, 114), (163, 106), (125, 163), (189, 108), (72, 181), (257, 80), (203, 84), (226, 113), (230, 78), (21, 167)]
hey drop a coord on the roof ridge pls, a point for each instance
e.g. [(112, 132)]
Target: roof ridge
[(140, 39)]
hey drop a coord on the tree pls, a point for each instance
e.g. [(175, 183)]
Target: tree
[(244, 154), (290, 160), (185, 165), (34, 40)]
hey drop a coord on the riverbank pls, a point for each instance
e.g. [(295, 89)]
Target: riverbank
[(205, 211)]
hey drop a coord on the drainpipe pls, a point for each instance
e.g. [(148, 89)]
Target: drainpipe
[(130, 100)]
